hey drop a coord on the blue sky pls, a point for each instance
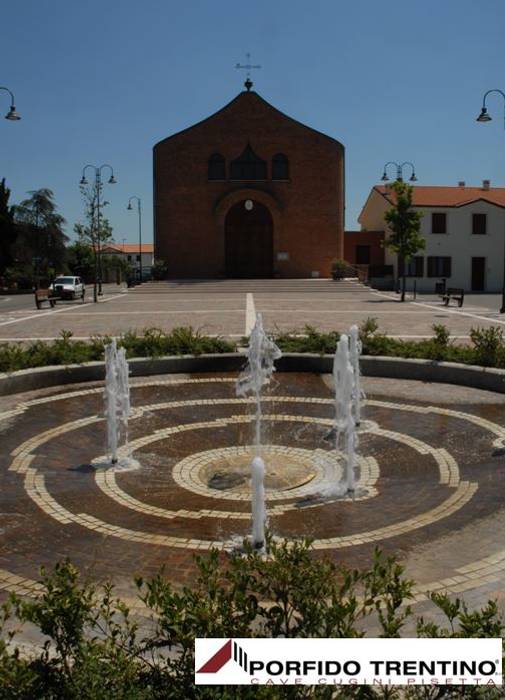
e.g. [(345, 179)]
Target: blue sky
[(103, 81)]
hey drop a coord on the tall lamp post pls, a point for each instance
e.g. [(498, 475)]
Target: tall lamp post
[(484, 117), (139, 210), (399, 171), (98, 245), (11, 115)]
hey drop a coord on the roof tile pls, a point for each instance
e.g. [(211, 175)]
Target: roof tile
[(450, 196)]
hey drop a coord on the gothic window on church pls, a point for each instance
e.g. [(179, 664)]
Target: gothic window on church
[(248, 166), (280, 167), (217, 167)]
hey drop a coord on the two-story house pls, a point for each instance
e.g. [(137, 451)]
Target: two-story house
[(464, 230)]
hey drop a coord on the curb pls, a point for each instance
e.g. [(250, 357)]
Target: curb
[(486, 378)]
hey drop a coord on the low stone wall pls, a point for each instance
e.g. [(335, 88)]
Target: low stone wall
[(389, 367)]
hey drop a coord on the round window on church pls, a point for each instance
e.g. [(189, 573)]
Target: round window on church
[(248, 204)]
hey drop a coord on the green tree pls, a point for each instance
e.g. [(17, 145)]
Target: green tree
[(80, 260), (41, 238), (404, 224), (8, 229), (96, 231), (118, 267)]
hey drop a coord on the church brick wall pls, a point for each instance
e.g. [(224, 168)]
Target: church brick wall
[(190, 210)]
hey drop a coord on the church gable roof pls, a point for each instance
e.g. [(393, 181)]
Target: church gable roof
[(246, 98)]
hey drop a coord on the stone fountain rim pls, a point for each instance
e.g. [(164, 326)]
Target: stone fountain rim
[(487, 378)]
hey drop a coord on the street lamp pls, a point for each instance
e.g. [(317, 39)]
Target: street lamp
[(11, 115), (98, 246), (399, 171), (139, 210), (484, 117)]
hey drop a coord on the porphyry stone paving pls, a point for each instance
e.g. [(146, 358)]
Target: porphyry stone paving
[(228, 307), (431, 467)]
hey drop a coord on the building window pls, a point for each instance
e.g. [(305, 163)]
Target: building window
[(439, 223), (248, 166), (362, 255), (414, 267), (217, 167), (129, 258), (280, 167), (479, 224), (138, 258), (439, 267)]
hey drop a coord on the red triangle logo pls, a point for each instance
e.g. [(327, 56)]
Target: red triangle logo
[(216, 662)]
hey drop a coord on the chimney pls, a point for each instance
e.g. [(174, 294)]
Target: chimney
[(461, 183), (486, 184)]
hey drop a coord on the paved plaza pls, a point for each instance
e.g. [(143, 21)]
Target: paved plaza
[(425, 494), (228, 307)]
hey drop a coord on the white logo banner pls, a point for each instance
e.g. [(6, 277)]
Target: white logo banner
[(366, 661)]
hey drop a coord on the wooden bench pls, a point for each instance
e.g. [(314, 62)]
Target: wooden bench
[(42, 295), (454, 293)]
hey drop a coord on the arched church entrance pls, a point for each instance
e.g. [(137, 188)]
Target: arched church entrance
[(248, 235)]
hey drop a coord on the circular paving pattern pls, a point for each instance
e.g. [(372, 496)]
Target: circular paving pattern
[(424, 473)]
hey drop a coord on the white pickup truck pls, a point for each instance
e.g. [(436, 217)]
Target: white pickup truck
[(68, 288)]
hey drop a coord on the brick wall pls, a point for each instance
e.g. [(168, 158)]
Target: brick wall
[(374, 239), (190, 210)]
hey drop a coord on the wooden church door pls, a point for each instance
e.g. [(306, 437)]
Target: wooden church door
[(248, 241)]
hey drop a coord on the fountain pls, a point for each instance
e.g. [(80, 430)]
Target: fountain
[(261, 355), (355, 348), (117, 398), (344, 377), (258, 506)]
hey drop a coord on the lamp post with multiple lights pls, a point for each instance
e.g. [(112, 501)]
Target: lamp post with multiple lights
[(11, 115), (399, 171), (485, 117), (139, 210), (98, 245)]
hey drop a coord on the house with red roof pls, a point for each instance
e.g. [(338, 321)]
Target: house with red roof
[(131, 253), (464, 230)]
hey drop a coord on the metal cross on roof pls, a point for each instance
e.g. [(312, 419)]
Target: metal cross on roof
[(247, 67)]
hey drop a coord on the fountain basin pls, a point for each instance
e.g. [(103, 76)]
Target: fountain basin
[(487, 378), (430, 496)]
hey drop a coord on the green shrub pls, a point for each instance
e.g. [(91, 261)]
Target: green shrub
[(159, 270), (369, 326), (152, 342), (309, 340), (94, 650), (489, 347), (442, 334), (488, 344), (437, 347), (340, 268)]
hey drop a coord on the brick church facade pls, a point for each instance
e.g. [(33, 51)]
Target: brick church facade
[(248, 193)]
